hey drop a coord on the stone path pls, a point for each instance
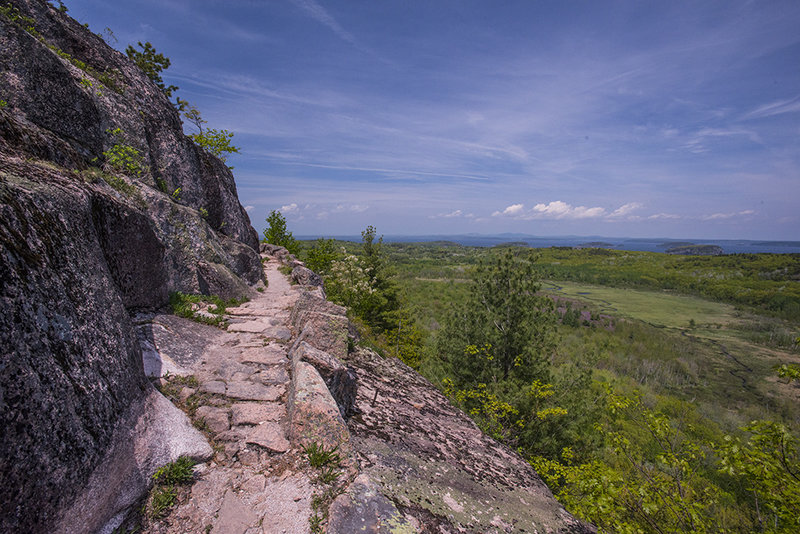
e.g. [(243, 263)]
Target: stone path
[(255, 482)]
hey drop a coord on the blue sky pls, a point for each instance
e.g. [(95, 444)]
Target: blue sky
[(636, 118)]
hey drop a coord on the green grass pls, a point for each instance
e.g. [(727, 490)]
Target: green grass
[(319, 457), (185, 305), (162, 499), (658, 308), (177, 472), (164, 495)]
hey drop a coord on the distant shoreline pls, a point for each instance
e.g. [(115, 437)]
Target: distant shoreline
[(729, 246)]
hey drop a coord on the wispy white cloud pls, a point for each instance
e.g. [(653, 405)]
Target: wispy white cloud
[(289, 208), (556, 209), (721, 216), (249, 208), (350, 208), (778, 107), (625, 209), (456, 214), (321, 15), (561, 210)]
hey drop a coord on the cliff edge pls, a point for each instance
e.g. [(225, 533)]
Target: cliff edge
[(84, 244)]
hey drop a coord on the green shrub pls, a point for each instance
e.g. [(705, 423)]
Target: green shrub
[(216, 142), (122, 157)]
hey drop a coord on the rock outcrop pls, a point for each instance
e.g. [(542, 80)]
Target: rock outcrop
[(81, 248)]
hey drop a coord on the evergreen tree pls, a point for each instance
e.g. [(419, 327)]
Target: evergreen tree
[(381, 310), (277, 234), (509, 327)]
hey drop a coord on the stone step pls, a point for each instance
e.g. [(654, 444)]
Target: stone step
[(269, 355), (253, 391), (254, 413)]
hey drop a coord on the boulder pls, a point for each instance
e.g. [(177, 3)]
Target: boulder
[(305, 276), (340, 380)]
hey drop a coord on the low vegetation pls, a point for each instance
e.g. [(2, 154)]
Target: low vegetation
[(166, 481), (122, 157), (644, 410), (206, 309), (327, 463)]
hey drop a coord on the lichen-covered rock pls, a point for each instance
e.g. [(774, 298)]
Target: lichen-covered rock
[(363, 508), (436, 466)]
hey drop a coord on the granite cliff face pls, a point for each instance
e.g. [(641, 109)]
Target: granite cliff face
[(80, 250)]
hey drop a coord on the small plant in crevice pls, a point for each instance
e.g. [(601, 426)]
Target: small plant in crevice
[(328, 463), (319, 457), (162, 499), (94, 175), (177, 472), (176, 195), (189, 307), (203, 212), (122, 157), (166, 481), (162, 185), (315, 522), (328, 475)]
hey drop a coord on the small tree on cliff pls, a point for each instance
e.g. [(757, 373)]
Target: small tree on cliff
[(216, 142), (151, 63), (277, 234)]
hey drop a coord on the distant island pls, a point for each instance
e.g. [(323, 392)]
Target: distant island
[(696, 250), (595, 244), (674, 244)]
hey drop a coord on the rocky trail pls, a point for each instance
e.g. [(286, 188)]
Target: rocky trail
[(235, 385)]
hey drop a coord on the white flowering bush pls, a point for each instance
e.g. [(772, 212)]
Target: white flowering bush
[(348, 283)]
